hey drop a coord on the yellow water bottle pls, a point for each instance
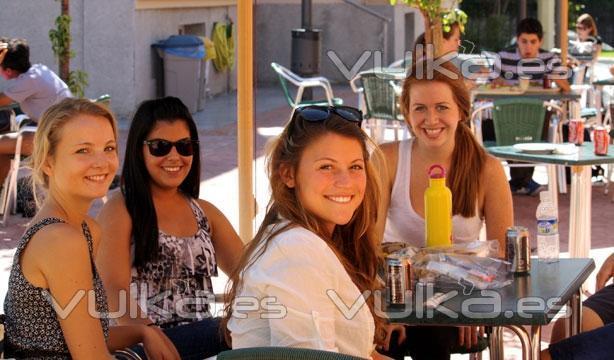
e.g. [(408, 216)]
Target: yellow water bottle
[(438, 209)]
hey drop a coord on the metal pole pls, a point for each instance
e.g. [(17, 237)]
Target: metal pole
[(245, 119), (306, 14), (564, 6), (523, 9)]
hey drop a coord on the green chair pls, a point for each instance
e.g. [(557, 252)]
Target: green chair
[(282, 353), (286, 76), (518, 120), (380, 92)]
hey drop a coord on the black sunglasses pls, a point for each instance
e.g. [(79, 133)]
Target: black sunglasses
[(160, 147), (316, 113)]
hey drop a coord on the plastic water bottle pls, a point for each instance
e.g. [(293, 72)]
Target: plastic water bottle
[(438, 209), (547, 229)]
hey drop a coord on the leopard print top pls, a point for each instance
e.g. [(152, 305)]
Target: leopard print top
[(32, 326), (176, 289)]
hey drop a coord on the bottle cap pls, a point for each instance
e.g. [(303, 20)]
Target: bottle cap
[(441, 175)]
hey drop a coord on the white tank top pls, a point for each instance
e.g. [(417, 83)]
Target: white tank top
[(403, 224)]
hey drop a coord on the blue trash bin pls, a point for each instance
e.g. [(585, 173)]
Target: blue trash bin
[(183, 76)]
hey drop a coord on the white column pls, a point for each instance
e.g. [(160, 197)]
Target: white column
[(545, 14)]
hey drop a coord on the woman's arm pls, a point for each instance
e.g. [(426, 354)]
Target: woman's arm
[(69, 278), (498, 209), (113, 260), (228, 246), (385, 167)]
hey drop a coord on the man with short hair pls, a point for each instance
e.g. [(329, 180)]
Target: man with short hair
[(526, 58), (34, 87)]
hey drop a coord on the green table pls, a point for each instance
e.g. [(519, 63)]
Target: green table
[(580, 195), (530, 300)]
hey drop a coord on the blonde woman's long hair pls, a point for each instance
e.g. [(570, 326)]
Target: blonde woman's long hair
[(355, 244), (49, 131)]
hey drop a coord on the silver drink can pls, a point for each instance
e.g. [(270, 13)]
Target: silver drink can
[(517, 250), (398, 278)]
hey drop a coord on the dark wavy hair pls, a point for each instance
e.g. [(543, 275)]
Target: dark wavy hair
[(17, 56), (530, 26), (136, 180)]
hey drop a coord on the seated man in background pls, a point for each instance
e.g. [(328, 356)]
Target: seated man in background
[(526, 58), (34, 87)]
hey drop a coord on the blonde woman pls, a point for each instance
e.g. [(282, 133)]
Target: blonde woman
[(56, 305)]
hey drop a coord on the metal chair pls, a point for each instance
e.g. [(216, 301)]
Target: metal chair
[(379, 92), (282, 353), (302, 83)]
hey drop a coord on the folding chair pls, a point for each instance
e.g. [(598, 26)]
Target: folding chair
[(302, 83)]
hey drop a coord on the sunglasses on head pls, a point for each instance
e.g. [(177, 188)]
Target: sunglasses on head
[(160, 147), (315, 113), (580, 27)]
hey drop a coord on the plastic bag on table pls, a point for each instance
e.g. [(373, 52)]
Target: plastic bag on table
[(454, 270), (477, 248)]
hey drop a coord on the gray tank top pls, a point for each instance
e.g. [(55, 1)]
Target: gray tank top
[(32, 326)]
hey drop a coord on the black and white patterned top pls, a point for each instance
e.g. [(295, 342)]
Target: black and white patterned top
[(32, 326), (176, 289)]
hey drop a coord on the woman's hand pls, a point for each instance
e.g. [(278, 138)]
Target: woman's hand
[(157, 346), (390, 328), (468, 335)]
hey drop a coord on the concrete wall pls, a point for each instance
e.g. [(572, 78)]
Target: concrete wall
[(155, 25), (346, 31), (112, 42)]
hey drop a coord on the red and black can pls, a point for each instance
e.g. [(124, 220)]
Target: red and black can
[(601, 139), (547, 82)]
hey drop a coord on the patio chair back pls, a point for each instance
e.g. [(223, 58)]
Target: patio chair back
[(282, 353), (381, 97), (518, 120), (286, 76)]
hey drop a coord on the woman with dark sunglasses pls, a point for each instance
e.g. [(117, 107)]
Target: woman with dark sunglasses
[(316, 248), (161, 240), (436, 110)]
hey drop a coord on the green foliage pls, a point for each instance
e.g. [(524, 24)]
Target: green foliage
[(60, 36), (60, 44), (492, 33), (454, 16), (77, 82), (431, 7), (575, 10)]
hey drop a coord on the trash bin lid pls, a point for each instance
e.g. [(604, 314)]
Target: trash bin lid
[(179, 41)]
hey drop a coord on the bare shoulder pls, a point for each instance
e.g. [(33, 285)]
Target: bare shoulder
[(211, 211), (493, 176), (58, 243), (390, 150), (114, 210)]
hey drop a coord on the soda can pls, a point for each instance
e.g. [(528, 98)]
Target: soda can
[(517, 249), (398, 279), (576, 132), (601, 139), (547, 82)]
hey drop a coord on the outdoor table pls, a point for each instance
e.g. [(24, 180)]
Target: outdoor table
[(580, 195), (531, 300), (598, 93)]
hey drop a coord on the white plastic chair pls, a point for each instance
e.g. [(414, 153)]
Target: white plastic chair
[(8, 197), (302, 83)]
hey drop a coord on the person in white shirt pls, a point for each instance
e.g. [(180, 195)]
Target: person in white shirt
[(34, 87), (305, 279)]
